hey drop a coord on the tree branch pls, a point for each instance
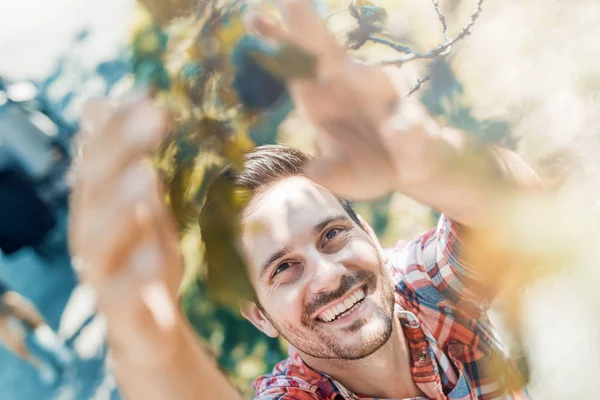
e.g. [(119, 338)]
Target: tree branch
[(442, 50), (442, 18), (390, 43), (426, 78)]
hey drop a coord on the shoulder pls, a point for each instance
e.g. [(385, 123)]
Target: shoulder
[(288, 393), (287, 381), (405, 260), (417, 267)]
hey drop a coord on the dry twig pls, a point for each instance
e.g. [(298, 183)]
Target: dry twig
[(442, 18), (441, 50), (438, 54)]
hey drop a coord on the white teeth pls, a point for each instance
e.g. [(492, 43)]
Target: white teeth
[(348, 303), (329, 315), (342, 308), (345, 313)]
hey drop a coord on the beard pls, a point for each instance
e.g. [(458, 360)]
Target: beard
[(312, 338)]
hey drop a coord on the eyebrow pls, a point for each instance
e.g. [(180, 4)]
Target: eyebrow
[(339, 218), (316, 229)]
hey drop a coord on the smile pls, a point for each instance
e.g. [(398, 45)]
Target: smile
[(342, 307)]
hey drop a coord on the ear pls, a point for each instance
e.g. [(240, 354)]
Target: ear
[(252, 313), (371, 234)]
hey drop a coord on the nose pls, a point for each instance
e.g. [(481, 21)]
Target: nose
[(326, 274)]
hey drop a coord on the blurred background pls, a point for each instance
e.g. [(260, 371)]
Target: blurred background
[(526, 77)]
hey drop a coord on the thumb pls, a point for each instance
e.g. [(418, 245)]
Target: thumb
[(95, 113), (264, 26)]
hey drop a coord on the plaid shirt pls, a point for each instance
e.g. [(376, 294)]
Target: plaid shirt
[(455, 352)]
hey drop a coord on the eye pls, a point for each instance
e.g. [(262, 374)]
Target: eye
[(332, 233), (332, 241), (282, 267)]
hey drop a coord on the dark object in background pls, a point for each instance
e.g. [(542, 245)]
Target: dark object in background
[(260, 90), (257, 88), (24, 218), (33, 166), (3, 288)]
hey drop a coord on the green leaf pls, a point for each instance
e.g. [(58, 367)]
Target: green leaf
[(365, 12)]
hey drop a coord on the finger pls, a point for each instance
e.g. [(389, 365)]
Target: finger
[(104, 150), (117, 221), (119, 293), (308, 30), (113, 224), (95, 113), (102, 257), (136, 124), (128, 136), (166, 234), (142, 273), (265, 27), (134, 215), (303, 29)]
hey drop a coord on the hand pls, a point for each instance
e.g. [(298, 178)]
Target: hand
[(120, 229), (347, 103)]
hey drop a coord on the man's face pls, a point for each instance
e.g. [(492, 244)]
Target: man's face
[(319, 277)]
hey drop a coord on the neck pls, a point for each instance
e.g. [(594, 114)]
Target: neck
[(385, 373)]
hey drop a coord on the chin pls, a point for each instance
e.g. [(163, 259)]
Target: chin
[(363, 337)]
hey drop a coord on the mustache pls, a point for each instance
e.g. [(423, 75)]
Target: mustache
[(347, 282)]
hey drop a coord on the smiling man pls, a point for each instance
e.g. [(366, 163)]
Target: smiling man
[(319, 276), (402, 323), (409, 322), (320, 281)]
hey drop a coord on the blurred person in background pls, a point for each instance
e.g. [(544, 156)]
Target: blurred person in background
[(25, 332), (410, 322)]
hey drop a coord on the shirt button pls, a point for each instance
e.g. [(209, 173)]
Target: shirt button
[(422, 355)]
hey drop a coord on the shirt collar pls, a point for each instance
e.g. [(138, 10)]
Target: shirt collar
[(422, 366)]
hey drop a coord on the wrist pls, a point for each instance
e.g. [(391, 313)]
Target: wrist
[(143, 343)]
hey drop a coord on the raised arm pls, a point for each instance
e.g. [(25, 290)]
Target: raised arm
[(449, 170), (125, 240), (371, 141)]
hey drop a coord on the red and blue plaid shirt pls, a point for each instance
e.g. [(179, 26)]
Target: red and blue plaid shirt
[(455, 351)]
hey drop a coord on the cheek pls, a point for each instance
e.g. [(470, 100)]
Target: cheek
[(287, 306), (361, 254)]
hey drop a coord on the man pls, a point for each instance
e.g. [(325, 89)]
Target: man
[(406, 323), (25, 332)]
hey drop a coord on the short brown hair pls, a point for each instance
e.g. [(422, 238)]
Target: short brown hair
[(262, 167), (267, 164)]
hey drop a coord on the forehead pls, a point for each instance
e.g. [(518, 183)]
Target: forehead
[(286, 211)]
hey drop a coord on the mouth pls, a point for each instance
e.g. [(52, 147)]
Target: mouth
[(344, 306)]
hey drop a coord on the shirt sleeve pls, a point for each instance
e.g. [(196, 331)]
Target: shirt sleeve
[(435, 267), (288, 393)]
